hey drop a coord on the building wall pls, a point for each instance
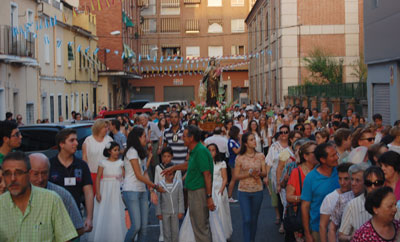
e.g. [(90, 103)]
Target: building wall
[(18, 81), (80, 78), (293, 29), (185, 36)]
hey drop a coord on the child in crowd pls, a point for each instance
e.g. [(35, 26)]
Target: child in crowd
[(166, 158), (170, 207), (109, 214)]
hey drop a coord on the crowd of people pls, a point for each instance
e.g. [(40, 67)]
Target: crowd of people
[(329, 178)]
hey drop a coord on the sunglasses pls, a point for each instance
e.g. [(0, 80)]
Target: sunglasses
[(284, 132), (376, 183), (371, 139)]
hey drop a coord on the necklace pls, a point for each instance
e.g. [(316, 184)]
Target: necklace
[(254, 154), (305, 169)]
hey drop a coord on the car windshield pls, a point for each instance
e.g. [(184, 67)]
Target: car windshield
[(38, 139)]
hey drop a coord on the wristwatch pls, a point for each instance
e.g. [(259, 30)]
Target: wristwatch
[(209, 196)]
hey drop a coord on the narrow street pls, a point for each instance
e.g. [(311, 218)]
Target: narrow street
[(267, 230)]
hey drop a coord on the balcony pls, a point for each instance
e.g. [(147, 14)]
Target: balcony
[(18, 45)]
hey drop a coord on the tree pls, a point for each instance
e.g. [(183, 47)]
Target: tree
[(324, 68), (360, 70)]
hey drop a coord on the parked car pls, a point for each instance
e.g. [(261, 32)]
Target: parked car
[(157, 106), (179, 103), (134, 107), (42, 137)]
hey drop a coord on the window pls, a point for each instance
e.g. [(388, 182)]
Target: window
[(46, 50), (29, 16), (14, 15), (236, 3), (149, 50), (215, 26), (237, 50), (66, 107), (267, 26), (80, 60), (87, 100), (170, 7), (82, 103), (30, 119), (44, 107), (215, 3), (149, 25), (237, 25), (59, 105), (215, 51), (192, 26), (171, 51), (170, 25), (52, 109), (150, 9), (59, 55), (192, 51)]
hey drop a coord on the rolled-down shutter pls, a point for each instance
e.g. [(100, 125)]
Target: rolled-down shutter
[(381, 101)]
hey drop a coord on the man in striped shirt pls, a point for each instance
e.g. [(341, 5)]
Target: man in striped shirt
[(173, 137)]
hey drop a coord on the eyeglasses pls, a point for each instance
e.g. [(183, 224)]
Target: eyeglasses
[(17, 134), (17, 173), (376, 183), (284, 132), (370, 139)]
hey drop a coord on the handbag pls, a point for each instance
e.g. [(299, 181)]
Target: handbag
[(292, 221)]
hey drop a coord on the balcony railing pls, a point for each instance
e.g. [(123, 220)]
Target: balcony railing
[(16, 44), (356, 90)]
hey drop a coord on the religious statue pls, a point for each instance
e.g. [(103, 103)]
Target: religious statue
[(212, 77)]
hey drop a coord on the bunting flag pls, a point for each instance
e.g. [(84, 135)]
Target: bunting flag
[(108, 50), (45, 23), (59, 43), (78, 49), (86, 50), (108, 4), (99, 5), (74, 12), (116, 52), (161, 59), (70, 43), (140, 58), (95, 51), (92, 5)]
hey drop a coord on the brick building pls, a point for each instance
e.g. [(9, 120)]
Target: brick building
[(185, 33), (117, 32), (286, 31)]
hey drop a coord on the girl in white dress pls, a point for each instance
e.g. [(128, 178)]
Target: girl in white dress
[(109, 209), (219, 191)]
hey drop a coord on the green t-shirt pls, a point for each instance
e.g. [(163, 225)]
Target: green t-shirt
[(1, 158), (200, 160)]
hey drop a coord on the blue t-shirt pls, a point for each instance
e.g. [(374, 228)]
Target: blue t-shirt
[(232, 156), (315, 187)]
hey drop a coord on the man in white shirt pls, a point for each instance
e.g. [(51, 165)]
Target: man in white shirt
[(329, 202), (219, 140), (250, 116)]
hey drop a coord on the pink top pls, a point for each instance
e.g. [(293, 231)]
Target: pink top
[(367, 233), (397, 190)]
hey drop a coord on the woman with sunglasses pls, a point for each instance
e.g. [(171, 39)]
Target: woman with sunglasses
[(363, 137), (272, 161), (395, 144), (355, 214), (389, 162), (381, 204)]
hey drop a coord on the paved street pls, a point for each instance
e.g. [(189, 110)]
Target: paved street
[(267, 230)]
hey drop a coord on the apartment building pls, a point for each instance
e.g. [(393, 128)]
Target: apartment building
[(117, 31), (283, 32), (177, 38), (382, 55), (81, 65), (19, 68)]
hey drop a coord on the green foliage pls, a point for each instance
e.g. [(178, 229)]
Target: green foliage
[(324, 68), (360, 70)]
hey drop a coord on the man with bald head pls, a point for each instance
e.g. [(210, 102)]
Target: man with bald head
[(39, 175)]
